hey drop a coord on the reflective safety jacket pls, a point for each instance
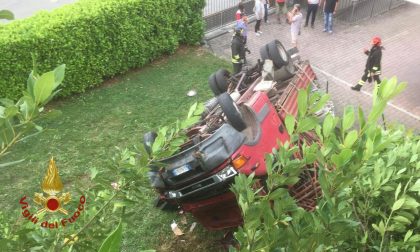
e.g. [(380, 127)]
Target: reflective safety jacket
[(238, 49), (373, 63)]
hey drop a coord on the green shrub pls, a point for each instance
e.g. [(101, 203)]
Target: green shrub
[(96, 39), (370, 180)]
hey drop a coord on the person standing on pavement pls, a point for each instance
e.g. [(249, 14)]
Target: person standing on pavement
[(259, 14), (243, 24), (240, 12), (294, 17), (279, 10), (373, 64), (238, 51), (312, 9), (330, 8), (266, 6)]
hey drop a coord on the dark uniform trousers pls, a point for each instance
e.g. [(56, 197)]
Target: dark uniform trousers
[(238, 53)]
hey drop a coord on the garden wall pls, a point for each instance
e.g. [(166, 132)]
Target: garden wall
[(96, 39)]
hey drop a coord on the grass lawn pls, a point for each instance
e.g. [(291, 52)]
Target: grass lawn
[(116, 114)]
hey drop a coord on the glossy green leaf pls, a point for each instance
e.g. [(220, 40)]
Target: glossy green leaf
[(306, 124), (30, 84), (59, 75), (113, 241), (348, 118), (397, 191), (408, 235), (400, 87), (10, 112), (382, 228), (302, 102), (345, 156), (290, 124), (369, 149), (414, 238), (377, 111), (278, 194), (350, 138), (416, 187), (386, 89), (410, 203), (362, 119), (398, 204), (401, 219), (192, 109), (328, 125), (414, 158), (321, 103), (336, 160), (379, 228), (93, 173), (7, 132), (27, 107), (44, 87)]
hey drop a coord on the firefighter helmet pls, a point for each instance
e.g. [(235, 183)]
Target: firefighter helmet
[(376, 40)]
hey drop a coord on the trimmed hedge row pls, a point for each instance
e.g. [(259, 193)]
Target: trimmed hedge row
[(96, 39)]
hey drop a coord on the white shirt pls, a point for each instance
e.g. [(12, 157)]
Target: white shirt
[(296, 23), (259, 9)]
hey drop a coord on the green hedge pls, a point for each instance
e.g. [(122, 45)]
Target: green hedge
[(96, 39)]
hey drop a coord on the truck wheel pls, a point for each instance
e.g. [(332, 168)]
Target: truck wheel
[(277, 53), (213, 84), (284, 73), (264, 52), (218, 81), (222, 77), (148, 140), (231, 111)]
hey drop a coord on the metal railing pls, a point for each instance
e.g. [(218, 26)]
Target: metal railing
[(357, 10), (215, 6), (218, 13)]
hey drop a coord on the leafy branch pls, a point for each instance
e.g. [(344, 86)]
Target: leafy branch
[(17, 120)]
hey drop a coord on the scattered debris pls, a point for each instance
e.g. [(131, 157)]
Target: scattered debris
[(184, 220), (192, 93), (193, 226), (176, 229)]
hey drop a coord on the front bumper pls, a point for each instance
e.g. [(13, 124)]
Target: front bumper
[(205, 186)]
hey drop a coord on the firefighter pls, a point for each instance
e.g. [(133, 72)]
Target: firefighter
[(373, 64), (238, 50)]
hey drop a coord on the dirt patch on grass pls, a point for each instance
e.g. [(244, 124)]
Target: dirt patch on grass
[(192, 242), (195, 237), (200, 51)]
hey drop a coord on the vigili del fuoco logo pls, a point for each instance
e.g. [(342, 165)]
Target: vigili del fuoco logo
[(52, 201)]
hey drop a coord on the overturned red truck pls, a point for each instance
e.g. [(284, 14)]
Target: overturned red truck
[(240, 126)]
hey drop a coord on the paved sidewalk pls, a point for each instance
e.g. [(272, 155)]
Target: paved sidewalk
[(339, 59)]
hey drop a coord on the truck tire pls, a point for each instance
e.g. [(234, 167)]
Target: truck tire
[(264, 52), (277, 53), (231, 111), (222, 77), (284, 73), (213, 84)]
